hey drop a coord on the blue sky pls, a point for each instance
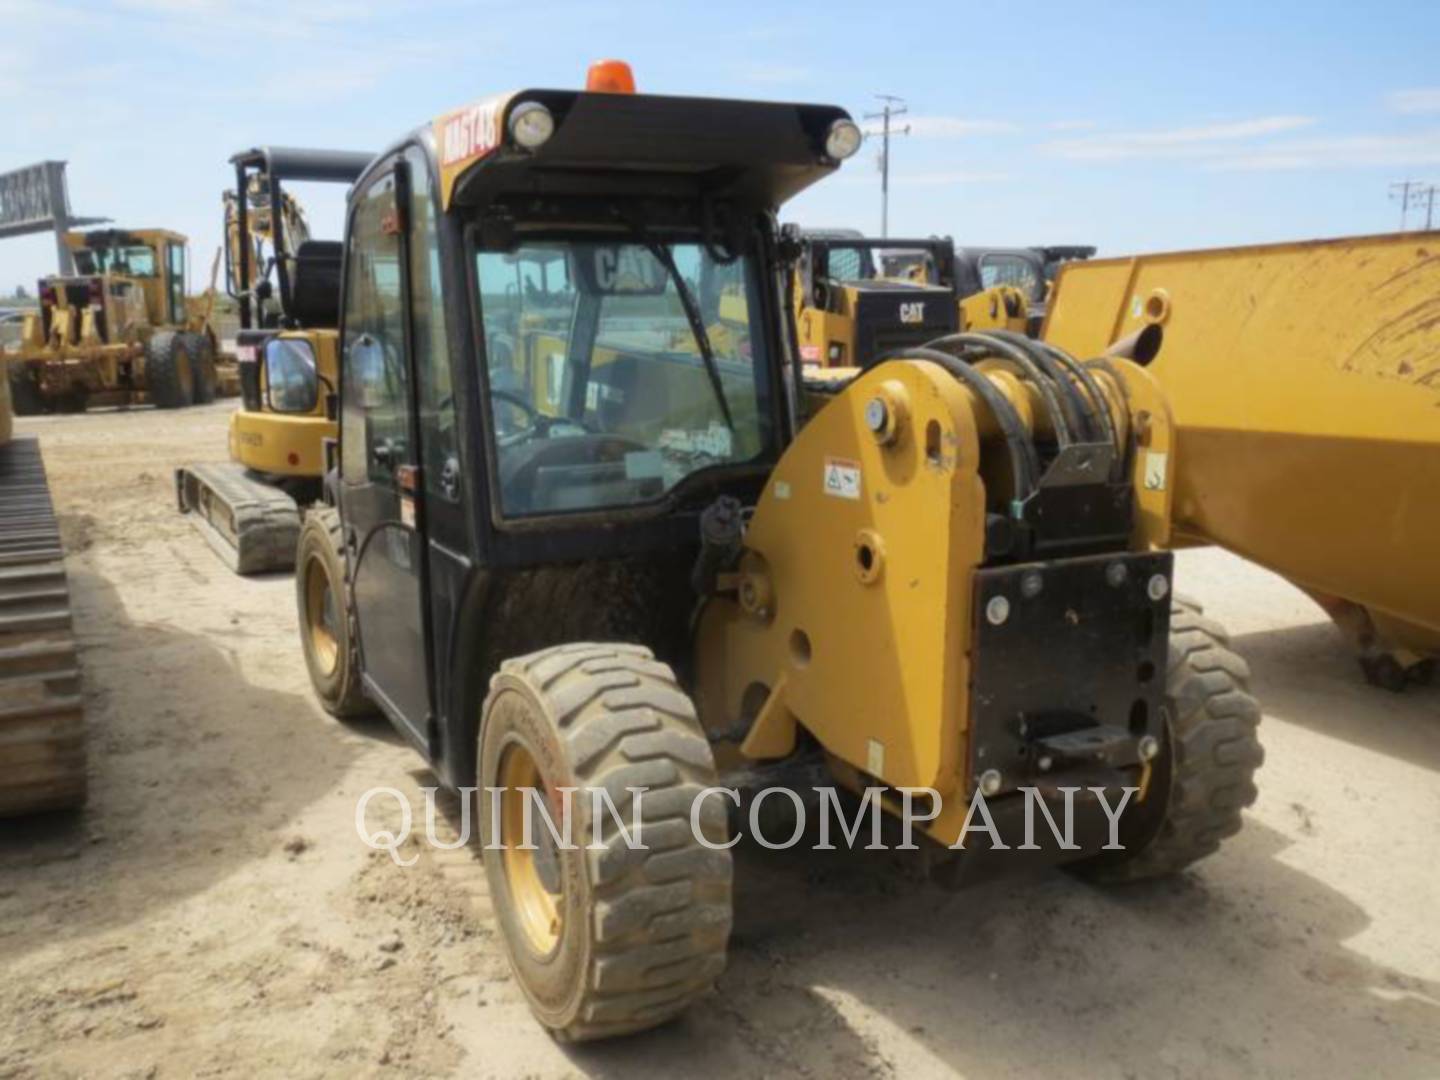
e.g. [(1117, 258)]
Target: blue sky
[(1131, 126)]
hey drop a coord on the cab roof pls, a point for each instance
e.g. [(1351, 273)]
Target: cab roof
[(756, 152), (297, 163)]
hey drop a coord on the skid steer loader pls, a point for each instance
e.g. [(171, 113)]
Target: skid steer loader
[(287, 286), (632, 562)]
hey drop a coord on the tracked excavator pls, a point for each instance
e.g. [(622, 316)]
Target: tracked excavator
[(1305, 383), (42, 712), (287, 287)]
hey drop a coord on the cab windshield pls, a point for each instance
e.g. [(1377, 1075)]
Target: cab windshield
[(131, 261), (617, 369)]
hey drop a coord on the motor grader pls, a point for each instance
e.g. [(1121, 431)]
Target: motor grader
[(641, 560), (117, 331), (287, 286)]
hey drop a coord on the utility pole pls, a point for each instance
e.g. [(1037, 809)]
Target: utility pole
[(1429, 193), (893, 107), (1401, 192)]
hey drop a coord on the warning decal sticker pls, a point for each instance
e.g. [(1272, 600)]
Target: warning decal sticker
[(842, 478)]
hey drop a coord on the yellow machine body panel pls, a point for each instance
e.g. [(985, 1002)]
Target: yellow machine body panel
[(1305, 384), (287, 443), (1000, 307), (867, 643), (843, 635)]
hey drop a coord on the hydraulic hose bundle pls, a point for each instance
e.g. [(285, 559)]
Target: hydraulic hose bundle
[(1078, 410)]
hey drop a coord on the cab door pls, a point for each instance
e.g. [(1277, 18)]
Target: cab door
[(380, 493)]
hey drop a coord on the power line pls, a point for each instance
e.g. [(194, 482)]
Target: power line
[(1413, 194), (893, 107)]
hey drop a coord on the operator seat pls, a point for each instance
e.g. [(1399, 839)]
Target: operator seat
[(315, 284)]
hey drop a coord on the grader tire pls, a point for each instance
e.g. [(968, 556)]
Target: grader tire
[(327, 627), (202, 364), (26, 398), (613, 940), (1204, 776), (169, 370)]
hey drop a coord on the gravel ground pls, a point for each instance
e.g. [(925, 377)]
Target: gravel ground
[(212, 912)]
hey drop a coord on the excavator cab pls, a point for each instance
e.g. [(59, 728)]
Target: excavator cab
[(287, 287)]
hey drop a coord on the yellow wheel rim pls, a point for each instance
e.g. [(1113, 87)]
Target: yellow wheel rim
[(320, 616), (532, 876)]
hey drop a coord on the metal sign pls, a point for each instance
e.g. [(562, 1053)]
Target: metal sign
[(28, 197), (35, 199)]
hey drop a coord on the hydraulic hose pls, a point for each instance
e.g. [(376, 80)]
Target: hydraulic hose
[(1024, 461), (1081, 419), (1019, 357)]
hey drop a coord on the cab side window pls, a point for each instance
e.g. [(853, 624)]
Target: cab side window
[(427, 327), (1003, 269), (375, 420), (177, 282)]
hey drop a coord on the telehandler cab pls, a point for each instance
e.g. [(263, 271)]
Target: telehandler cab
[(579, 541)]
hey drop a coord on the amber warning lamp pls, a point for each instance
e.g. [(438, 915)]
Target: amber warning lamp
[(610, 77)]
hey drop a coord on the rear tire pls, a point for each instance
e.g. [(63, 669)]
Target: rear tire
[(327, 626), (1204, 776), (613, 940), (169, 370), (202, 362)]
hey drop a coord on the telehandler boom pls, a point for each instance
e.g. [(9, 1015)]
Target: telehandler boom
[(627, 561), (1305, 382)]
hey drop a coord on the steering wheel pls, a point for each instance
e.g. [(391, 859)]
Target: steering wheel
[(531, 413)]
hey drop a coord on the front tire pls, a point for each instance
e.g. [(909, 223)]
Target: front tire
[(326, 628), (1205, 774), (613, 940), (26, 398)]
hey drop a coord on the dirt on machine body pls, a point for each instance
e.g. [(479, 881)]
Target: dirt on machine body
[(119, 331)]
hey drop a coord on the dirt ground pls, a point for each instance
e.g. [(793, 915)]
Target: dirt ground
[(213, 913)]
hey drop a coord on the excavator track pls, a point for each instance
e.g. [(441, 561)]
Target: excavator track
[(252, 525), (42, 710)]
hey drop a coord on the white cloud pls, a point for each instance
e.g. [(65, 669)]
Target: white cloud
[(1339, 152), (952, 127), (1199, 141), (1072, 125), (1421, 100)]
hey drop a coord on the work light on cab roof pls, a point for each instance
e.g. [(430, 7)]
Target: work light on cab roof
[(843, 139), (531, 124)]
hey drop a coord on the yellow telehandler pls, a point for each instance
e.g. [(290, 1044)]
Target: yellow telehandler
[(637, 564)]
